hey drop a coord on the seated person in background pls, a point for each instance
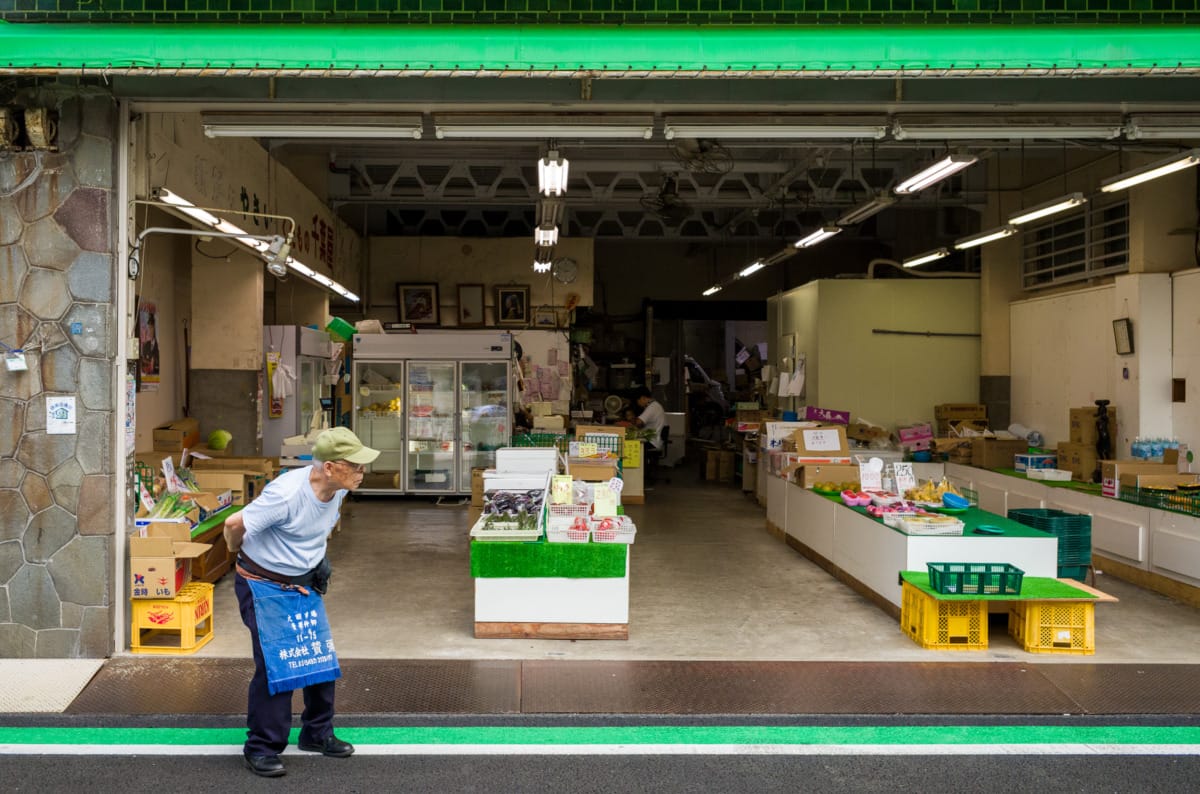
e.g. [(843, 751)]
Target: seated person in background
[(652, 416)]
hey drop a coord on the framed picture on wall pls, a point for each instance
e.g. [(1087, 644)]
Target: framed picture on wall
[(418, 303), (470, 305), (545, 317), (512, 305)]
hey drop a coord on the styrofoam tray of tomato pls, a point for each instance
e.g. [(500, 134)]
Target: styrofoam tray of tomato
[(856, 498)]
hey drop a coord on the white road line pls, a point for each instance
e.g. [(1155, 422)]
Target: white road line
[(183, 750)]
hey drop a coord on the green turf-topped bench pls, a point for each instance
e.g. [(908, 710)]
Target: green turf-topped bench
[(1047, 616)]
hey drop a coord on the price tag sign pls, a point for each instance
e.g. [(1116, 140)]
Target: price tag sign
[(605, 504), (870, 475), (904, 477), (561, 490), (587, 450), (822, 440)]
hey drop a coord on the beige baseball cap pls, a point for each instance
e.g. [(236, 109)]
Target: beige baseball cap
[(340, 443)]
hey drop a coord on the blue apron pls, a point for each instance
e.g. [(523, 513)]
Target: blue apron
[(293, 630)]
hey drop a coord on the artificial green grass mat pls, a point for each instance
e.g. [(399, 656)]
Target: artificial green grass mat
[(1032, 589), (497, 559), (1086, 487), (971, 517)]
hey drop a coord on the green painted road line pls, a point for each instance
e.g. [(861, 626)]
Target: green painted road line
[(12, 739)]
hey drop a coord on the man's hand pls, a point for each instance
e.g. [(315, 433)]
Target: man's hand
[(235, 529)]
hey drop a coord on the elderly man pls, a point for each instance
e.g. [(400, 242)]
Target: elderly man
[(281, 572)]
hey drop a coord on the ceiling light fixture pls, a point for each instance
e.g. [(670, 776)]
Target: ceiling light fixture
[(750, 269), (306, 125), (274, 248), (542, 266), (1052, 207), (545, 235), (713, 290), (927, 257), (550, 211), (769, 131), (971, 241), (864, 211), (936, 172), (1154, 170), (824, 233), (568, 127), (1004, 132), (552, 174), (1163, 127)]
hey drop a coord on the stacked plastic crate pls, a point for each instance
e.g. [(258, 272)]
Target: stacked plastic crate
[(1074, 533)]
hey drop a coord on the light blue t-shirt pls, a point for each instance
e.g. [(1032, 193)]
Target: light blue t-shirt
[(286, 526)]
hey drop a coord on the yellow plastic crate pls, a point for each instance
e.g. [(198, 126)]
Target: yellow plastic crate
[(1054, 626), (182, 624), (943, 625)]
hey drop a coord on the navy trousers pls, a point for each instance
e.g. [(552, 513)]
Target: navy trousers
[(269, 717)]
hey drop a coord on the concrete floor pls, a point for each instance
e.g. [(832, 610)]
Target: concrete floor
[(707, 583)]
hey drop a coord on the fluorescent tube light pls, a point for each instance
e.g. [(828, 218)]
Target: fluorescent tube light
[(824, 233), (950, 164), (274, 250), (533, 126), (713, 290), (1154, 170), (1141, 131), (310, 125), (990, 235), (764, 131), (750, 269), (542, 266), (1005, 132), (1052, 207), (545, 235), (925, 258), (552, 174), (864, 211)]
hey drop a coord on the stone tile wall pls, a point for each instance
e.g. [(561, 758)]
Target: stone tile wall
[(57, 524)]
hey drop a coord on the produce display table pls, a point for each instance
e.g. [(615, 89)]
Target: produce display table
[(543, 590), (867, 554), (1048, 615)]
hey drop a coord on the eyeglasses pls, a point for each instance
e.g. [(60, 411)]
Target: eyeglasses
[(357, 468)]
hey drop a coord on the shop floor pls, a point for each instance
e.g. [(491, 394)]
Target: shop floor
[(127, 686)]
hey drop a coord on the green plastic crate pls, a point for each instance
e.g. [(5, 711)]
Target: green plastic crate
[(975, 578)]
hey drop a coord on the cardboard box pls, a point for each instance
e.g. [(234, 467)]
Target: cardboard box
[(175, 435), (592, 469), (1027, 461), (232, 481), (209, 502), (948, 414), (836, 473), (477, 486), (826, 415), (964, 427), (251, 463), (1079, 459), (828, 441), (858, 431), (774, 434), (1083, 425), (917, 432), (583, 430), (1111, 471), (160, 562), (1139, 480), (996, 453), (954, 448), (725, 465)]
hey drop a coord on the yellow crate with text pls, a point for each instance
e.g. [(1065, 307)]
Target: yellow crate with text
[(1054, 626), (182, 624), (943, 625)]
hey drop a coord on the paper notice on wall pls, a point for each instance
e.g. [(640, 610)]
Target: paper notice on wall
[(784, 384), (662, 370), (60, 416), (768, 373), (564, 369), (552, 356), (130, 414)]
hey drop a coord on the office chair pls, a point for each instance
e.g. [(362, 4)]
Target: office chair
[(654, 456)]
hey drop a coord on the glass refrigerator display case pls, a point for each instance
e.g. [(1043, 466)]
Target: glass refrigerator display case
[(484, 415), (436, 404), (379, 420), (431, 426)]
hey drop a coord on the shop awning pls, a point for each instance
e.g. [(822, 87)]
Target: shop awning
[(612, 52)]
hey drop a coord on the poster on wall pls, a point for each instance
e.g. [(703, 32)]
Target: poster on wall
[(148, 363), (130, 414), (60, 416)]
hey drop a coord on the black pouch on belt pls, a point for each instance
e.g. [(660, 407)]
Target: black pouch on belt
[(320, 575)]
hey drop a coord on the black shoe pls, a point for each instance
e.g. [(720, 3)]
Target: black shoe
[(331, 746), (265, 765)]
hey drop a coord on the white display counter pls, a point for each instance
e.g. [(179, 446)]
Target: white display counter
[(865, 552), (1162, 545)]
